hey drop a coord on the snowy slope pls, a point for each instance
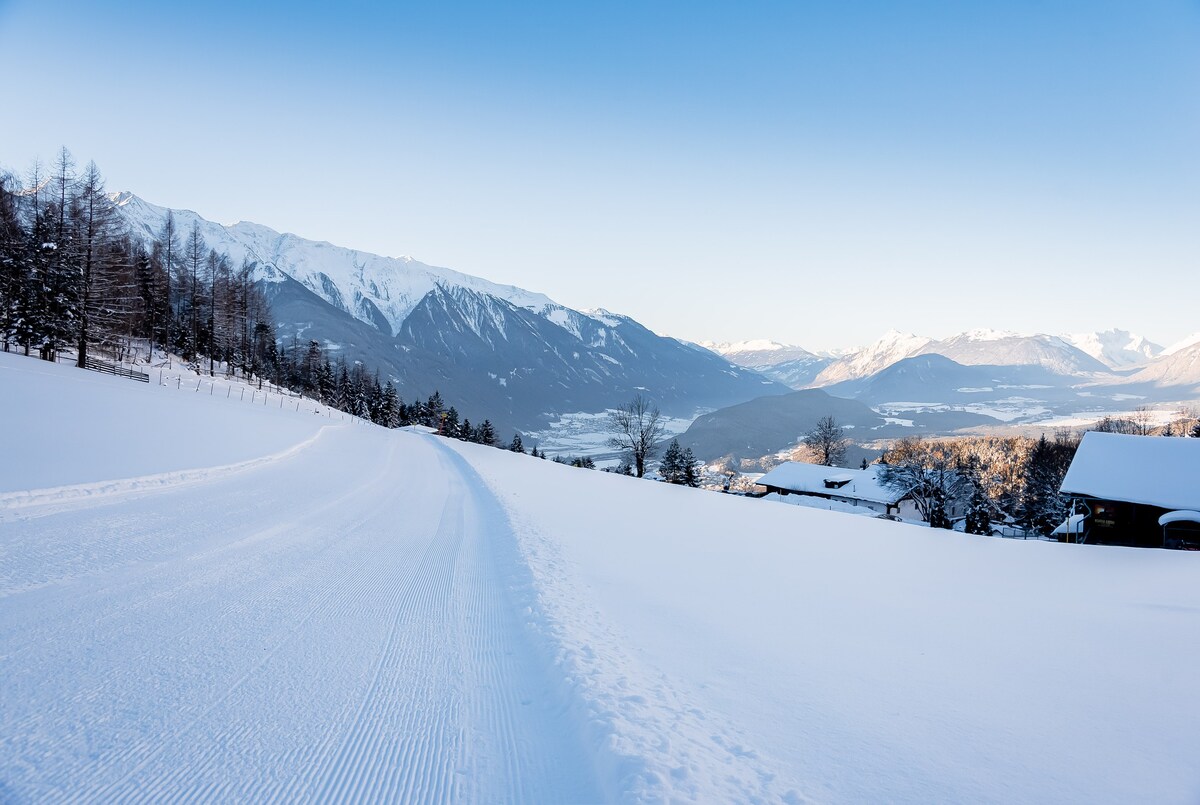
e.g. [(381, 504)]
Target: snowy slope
[(1179, 367), (1182, 344), (793, 366), (356, 282), (80, 429), (1116, 349), (848, 659), (972, 348), (758, 352), (386, 616), (492, 350), (999, 348), (892, 346)]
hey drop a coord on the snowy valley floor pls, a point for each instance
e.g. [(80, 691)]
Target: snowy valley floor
[(214, 601)]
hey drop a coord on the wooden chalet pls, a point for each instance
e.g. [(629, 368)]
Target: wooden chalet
[(1134, 490)]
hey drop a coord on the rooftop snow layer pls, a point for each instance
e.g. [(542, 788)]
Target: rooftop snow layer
[(1150, 470), (797, 476)]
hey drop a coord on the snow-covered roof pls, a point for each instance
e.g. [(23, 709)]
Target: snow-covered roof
[(1149, 470), (1181, 516), (1072, 525), (797, 476)]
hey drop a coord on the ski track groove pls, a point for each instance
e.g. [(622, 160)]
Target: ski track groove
[(449, 705), (111, 792)]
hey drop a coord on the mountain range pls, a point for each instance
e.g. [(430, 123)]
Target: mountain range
[(493, 350), (1111, 356), (521, 359)]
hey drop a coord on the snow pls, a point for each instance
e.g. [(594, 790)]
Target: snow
[(1182, 516), (341, 276), (1182, 344), (182, 428), (893, 346), (1150, 470), (1115, 348), (819, 503), (1072, 525), (372, 615), (798, 476), (749, 345)]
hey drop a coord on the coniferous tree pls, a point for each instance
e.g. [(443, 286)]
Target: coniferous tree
[(390, 411), (1042, 508), (670, 467), (450, 425), (979, 511), (690, 473), (515, 445), (486, 433)]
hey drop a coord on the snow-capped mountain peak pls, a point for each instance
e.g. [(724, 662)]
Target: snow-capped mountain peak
[(1115, 348), (381, 291), (892, 346)]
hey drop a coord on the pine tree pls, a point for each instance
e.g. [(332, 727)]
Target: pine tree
[(691, 472), (450, 426), (391, 407), (434, 408), (466, 433), (515, 445), (486, 433), (1042, 508), (671, 465), (979, 512)]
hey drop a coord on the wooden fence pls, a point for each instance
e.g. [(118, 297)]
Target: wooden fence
[(113, 369)]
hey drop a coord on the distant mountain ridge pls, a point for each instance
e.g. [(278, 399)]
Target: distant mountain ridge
[(1085, 356), (493, 350)]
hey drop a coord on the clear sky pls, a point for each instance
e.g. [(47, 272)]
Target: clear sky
[(811, 172)]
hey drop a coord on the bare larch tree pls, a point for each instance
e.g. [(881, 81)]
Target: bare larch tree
[(637, 428)]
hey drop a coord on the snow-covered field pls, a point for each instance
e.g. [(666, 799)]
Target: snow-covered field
[(316, 610), (587, 434)]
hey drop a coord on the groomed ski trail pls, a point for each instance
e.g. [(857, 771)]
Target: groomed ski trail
[(345, 623)]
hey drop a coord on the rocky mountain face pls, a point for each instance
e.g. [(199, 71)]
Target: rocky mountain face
[(493, 350)]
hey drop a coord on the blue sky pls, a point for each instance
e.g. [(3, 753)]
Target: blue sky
[(811, 172)]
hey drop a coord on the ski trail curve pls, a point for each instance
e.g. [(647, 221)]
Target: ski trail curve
[(344, 626)]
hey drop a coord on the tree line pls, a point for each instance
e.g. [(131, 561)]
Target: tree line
[(73, 277)]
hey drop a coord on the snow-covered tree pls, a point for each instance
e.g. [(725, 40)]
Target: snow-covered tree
[(928, 472)]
